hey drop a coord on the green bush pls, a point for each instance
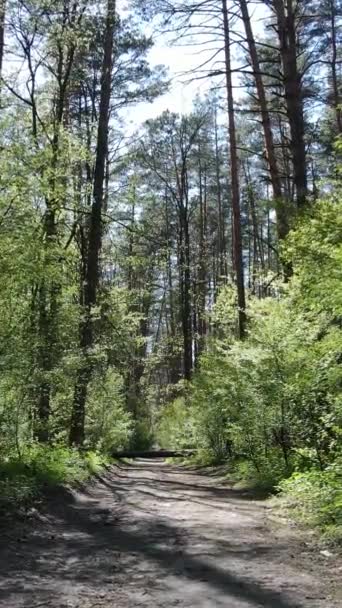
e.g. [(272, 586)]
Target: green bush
[(53, 466), (175, 426), (18, 491), (95, 462), (22, 478), (315, 497), (109, 426), (266, 477), (142, 437)]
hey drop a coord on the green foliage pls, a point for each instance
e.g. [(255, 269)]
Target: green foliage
[(46, 173), (175, 427), (109, 426), (315, 250), (95, 462), (142, 437), (19, 490), (315, 497), (272, 403), (265, 478), (23, 477), (212, 423)]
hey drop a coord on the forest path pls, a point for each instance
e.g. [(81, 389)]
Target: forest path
[(159, 536)]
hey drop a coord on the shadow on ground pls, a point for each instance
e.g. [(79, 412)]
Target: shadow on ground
[(85, 547)]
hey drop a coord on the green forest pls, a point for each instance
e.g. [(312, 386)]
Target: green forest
[(179, 285)]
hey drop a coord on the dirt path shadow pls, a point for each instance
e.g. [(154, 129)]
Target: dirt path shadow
[(157, 535)]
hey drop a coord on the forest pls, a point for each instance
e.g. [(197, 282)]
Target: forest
[(178, 286)]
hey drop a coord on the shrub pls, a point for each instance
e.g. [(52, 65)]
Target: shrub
[(175, 426), (109, 426), (17, 491), (315, 497), (23, 478), (142, 437), (266, 477)]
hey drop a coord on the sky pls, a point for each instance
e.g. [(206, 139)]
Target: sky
[(175, 58), (179, 59), (181, 94)]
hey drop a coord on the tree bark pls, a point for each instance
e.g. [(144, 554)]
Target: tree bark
[(287, 32), (86, 330), (2, 33), (282, 220), (334, 58), (222, 249), (234, 171), (202, 263), (186, 295), (258, 256)]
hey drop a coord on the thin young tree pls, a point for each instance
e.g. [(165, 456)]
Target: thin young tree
[(234, 177), (2, 31)]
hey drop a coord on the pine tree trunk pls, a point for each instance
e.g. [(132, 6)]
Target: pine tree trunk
[(49, 289), (334, 60), (175, 363), (234, 171), (2, 33), (282, 220), (87, 337), (222, 250), (258, 256), (293, 95), (169, 269)]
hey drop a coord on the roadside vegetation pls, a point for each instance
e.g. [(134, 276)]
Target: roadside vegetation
[(24, 478), (270, 405)]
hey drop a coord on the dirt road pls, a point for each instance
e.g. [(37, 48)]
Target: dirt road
[(153, 535)]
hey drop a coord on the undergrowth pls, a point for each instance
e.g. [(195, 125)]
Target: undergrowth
[(314, 498), (24, 477)]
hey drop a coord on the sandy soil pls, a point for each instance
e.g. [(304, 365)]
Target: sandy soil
[(154, 535)]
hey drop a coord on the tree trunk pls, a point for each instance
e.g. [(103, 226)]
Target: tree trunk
[(282, 220), (76, 436), (234, 170), (175, 366), (169, 268), (202, 264), (47, 295), (2, 33), (186, 295), (50, 288), (287, 29), (222, 249), (258, 256), (334, 59)]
